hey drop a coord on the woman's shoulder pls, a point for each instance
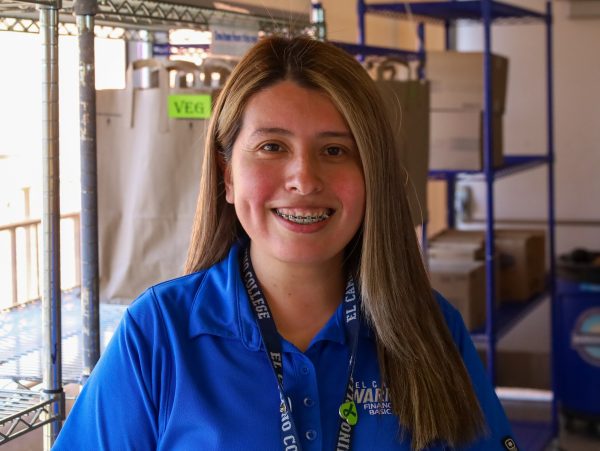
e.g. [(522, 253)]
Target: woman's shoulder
[(180, 289), (165, 300), (192, 298)]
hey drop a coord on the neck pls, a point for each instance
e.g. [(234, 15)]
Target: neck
[(301, 297)]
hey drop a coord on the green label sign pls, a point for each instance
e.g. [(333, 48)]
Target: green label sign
[(189, 106)]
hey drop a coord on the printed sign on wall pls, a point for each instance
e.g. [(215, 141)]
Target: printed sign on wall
[(234, 41)]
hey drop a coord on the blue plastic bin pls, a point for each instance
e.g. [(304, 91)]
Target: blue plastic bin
[(578, 349)]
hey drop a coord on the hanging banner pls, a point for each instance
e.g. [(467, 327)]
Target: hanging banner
[(234, 41)]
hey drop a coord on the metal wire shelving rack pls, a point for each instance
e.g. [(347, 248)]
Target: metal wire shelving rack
[(499, 320), (149, 16), (23, 410)]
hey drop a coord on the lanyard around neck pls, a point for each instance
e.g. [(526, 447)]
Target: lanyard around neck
[(272, 341)]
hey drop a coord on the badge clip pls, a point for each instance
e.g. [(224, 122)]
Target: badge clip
[(348, 413)]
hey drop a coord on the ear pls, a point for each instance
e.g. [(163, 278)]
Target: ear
[(225, 168)]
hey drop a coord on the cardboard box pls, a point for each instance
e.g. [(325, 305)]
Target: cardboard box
[(520, 258), (452, 244), (465, 252), (407, 104), (457, 80), (523, 263), (453, 237), (457, 140), (462, 283), (524, 369)]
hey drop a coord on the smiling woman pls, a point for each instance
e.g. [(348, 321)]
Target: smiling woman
[(306, 320), (295, 179)]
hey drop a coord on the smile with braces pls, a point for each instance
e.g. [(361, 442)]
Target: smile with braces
[(305, 219)]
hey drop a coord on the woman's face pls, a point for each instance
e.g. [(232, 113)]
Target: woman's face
[(295, 177)]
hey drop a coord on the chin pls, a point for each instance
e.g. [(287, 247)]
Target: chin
[(305, 255)]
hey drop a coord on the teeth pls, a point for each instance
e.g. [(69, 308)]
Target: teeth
[(305, 219)]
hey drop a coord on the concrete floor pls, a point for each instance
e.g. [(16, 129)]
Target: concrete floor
[(579, 439), (570, 442)]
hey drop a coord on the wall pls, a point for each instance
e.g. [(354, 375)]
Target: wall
[(342, 25)]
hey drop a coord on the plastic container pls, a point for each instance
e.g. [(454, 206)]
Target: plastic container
[(578, 323)]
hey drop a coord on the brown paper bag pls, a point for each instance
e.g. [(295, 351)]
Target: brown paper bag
[(148, 178), (407, 103)]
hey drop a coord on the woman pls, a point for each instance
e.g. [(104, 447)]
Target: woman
[(306, 320)]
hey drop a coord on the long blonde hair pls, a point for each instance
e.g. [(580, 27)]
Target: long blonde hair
[(430, 389)]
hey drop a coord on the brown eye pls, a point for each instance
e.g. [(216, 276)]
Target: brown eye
[(334, 151), (271, 147)]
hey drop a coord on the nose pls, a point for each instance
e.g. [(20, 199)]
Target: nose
[(304, 175)]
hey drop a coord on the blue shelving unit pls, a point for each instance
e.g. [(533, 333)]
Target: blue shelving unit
[(499, 320), (513, 164), (356, 49), (454, 10)]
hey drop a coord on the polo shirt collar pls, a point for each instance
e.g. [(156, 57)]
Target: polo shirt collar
[(221, 307)]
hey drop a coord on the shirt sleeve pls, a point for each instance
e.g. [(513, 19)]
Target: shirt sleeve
[(117, 408), (499, 435)]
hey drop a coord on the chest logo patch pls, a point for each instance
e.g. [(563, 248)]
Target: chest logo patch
[(371, 398)]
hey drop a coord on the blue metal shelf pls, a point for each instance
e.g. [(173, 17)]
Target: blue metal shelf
[(518, 163), (512, 165), (356, 49), (507, 316), (454, 10)]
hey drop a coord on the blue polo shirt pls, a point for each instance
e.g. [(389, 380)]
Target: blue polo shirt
[(186, 370)]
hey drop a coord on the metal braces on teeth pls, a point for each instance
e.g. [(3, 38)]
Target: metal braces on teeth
[(304, 219)]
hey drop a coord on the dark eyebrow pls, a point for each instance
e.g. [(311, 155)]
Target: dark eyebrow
[(285, 132)]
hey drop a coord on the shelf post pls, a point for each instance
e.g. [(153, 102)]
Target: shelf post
[(450, 194), (84, 11), (361, 10), (551, 213), (422, 55), (51, 290), (421, 51), (488, 164)]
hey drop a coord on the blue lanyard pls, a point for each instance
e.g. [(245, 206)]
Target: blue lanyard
[(347, 412)]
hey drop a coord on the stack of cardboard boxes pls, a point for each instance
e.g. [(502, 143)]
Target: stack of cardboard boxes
[(457, 269), (457, 105)]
